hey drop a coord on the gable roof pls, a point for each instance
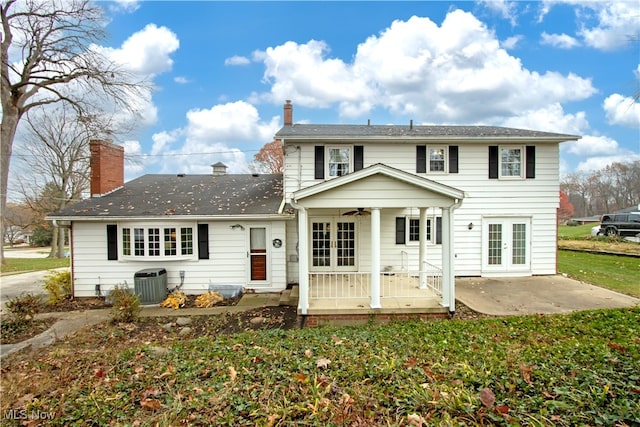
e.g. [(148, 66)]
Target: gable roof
[(184, 195), (387, 132), (380, 169)]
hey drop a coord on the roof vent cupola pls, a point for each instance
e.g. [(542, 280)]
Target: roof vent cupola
[(219, 169)]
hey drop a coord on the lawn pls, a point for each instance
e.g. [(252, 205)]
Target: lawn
[(573, 232), (618, 273), (564, 370), (15, 265)]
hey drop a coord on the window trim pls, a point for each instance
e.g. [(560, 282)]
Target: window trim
[(431, 231), (327, 159), (445, 152), (523, 162), (181, 245)]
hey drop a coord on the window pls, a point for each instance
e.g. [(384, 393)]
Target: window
[(170, 241), (158, 242), (408, 230), (339, 161), (126, 241), (437, 159), (138, 241), (511, 162), (186, 241), (154, 242)]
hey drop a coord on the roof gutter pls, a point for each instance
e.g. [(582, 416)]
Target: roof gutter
[(107, 218)]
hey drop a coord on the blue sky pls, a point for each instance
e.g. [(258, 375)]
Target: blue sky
[(222, 71)]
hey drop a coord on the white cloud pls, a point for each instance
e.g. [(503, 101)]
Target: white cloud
[(604, 25), (551, 118), (597, 163), (506, 9), (511, 42), (181, 80), (590, 145), (231, 133), (562, 41), (237, 60), (146, 52), (453, 73), (134, 159), (124, 5), (620, 110)]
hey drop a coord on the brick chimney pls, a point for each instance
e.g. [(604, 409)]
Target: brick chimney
[(107, 167), (288, 113)]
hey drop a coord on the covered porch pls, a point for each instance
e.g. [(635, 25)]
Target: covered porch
[(354, 265)]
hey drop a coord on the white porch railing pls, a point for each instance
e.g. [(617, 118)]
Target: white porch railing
[(393, 284)]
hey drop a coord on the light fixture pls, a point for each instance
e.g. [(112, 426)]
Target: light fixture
[(236, 226), (470, 226)]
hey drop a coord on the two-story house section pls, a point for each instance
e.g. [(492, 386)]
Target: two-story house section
[(366, 218), (388, 216)]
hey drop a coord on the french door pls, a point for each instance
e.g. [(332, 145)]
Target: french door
[(333, 244), (506, 245)]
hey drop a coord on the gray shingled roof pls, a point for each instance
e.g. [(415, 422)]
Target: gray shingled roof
[(171, 195), (395, 131)]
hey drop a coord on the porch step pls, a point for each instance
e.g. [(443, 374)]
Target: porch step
[(289, 296)]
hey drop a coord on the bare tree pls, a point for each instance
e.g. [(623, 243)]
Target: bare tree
[(19, 219), (271, 157), (49, 55), (57, 151)]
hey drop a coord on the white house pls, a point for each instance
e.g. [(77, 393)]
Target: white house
[(366, 219)]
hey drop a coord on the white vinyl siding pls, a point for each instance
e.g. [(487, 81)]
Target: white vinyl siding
[(537, 198), (227, 264)]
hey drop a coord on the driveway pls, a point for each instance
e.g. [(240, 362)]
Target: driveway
[(536, 294)]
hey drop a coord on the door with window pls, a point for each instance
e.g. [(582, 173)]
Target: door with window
[(258, 256), (506, 245), (333, 244)]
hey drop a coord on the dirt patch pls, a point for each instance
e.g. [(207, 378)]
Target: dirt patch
[(14, 333)]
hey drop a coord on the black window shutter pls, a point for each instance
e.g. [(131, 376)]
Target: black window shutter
[(112, 242), (453, 159), (531, 161), (203, 241), (493, 162), (358, 157), (400, 230), (319, 162), (421, 159), (439, 230)]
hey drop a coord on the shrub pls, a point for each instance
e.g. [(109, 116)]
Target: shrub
[(41, 236), (22, 309), (58, 286), (125, 305), (175, 300)]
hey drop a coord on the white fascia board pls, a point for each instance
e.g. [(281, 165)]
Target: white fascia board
[(179, 218)]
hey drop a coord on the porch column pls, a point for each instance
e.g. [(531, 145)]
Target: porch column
[(375, 258), (448, 260), (303, 261), (422, 255)]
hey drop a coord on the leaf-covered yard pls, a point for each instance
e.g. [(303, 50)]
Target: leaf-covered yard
[(574, 369)]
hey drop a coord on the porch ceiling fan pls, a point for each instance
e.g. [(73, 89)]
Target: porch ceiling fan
[(357, 212)]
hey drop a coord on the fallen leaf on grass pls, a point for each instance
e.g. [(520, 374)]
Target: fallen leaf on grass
[(415, 420), (617, 347), (323, 363), (501, 409), (411, 362), (232, 373), (151, 404), (308, 353), (487, 397), (526, 371), (336, 340)]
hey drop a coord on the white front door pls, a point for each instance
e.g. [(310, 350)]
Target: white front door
[(333, 244), (506, 244)]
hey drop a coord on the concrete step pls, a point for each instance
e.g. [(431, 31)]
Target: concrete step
[(289, 297)]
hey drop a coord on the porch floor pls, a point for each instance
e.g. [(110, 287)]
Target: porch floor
[(336, 294)]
